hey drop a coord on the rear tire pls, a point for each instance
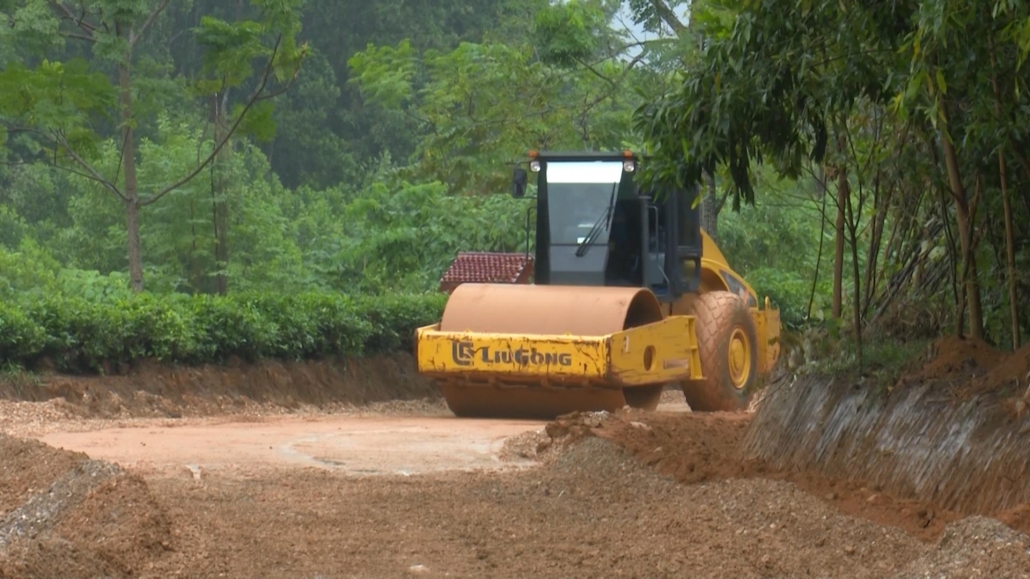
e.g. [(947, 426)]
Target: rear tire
[(727, 342)]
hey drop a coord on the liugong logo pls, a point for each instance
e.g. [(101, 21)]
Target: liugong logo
[(463, 354)]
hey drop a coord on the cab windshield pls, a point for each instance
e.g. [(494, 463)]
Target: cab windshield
[(580, 198)]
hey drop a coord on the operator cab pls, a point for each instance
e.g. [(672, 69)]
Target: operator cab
[(595, 227)]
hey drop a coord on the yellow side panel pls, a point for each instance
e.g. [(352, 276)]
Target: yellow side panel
[(660, 352), (767, 327), (772, 324), (511, 356)]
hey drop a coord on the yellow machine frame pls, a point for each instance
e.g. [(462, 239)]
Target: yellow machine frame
[(546, 349), (658, 352)]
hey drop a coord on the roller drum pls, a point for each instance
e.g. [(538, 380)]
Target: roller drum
[(551, 310), (542, 309)]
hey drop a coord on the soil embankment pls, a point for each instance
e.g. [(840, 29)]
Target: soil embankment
[(153, 390), (953, 432)]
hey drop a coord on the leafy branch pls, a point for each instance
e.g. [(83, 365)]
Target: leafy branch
[(255, 97)]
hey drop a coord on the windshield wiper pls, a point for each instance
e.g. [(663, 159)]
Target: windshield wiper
[(584, 246)]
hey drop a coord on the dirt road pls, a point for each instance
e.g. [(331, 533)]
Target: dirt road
[(628, 495), (353, 445)]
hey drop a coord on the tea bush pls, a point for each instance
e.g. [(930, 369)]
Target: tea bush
[(81, 335)]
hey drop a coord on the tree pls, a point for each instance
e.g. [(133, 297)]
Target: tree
[(568, 85), (772, 84), (659, 16), (64, 104), (912, 105)]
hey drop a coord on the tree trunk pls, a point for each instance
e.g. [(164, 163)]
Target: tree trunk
[(881, 202), (821, 191), (135, 245), (953, 258), (132, 204), (856, 277), (843, 190), (1010, 257), (219, 193), (1010, 253), (965, 234), (196, 271), (710, 211), (1025, 164)]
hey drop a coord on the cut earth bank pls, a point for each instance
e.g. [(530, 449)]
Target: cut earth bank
[(828, 478)]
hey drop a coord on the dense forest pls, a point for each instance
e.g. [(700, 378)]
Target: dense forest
[(195, 179)]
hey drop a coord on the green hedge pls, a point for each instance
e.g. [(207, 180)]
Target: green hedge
[(79, 335)]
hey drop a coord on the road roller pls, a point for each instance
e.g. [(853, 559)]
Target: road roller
[(621, 295)]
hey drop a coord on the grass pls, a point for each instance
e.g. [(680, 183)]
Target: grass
[(883, 362), (18, 380)]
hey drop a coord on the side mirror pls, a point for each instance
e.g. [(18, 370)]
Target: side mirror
[(518, 183)]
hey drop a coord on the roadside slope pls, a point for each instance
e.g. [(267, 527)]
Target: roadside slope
[(153, 390), (953, 432)]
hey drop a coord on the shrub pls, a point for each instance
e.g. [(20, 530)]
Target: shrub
[(83, 335), (787, 291)]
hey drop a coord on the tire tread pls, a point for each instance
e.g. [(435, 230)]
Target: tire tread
[(715, 313)]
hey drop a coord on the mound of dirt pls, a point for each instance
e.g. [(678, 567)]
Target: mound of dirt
[(76, 518), (736, 527), (29, 466), (1013, 370), (556, 436), (975, 547), (955, 359), (601, 460), (970, 367), (154, 390), (1017, 518), (788, 522), (691, 449), (782, 531), (696, 448)]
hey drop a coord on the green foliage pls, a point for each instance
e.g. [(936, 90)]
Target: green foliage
[(775, 245), (30, 25), (914, 104), (55, 96), (567, 34), (86, 335), (176, 232), (883, 362), (769, 87), (385, 73), (403, 235), (30, 269), (12, 227), (392, 150), (483, 105), (20, 336), (787, 290)]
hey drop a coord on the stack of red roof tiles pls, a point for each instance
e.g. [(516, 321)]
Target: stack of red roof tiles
[(487, 267)]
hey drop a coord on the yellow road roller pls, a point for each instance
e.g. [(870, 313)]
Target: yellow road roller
[(621, 295)]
